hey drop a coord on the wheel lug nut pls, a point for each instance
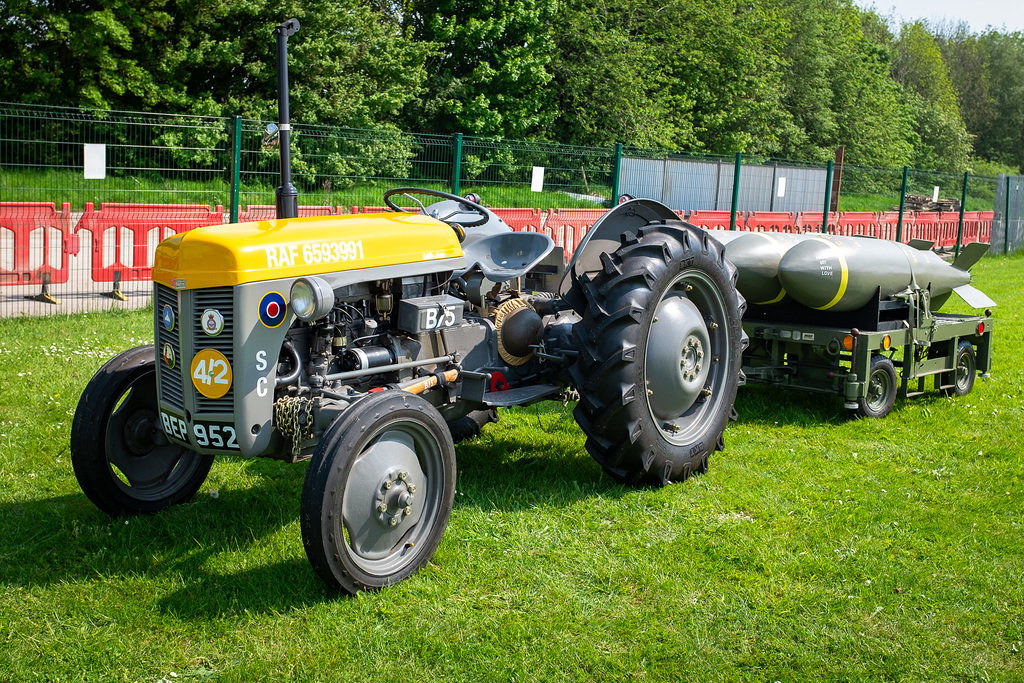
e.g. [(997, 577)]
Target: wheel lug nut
[(412, 488), (394, 521), (382, 507), (387, 485)]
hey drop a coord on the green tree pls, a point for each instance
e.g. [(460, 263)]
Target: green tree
[(1001, 135), (607, 85), (88, 54), (490, 71), (838, 88), (941, 139), (351, 63), (919, 67), (683, 74)]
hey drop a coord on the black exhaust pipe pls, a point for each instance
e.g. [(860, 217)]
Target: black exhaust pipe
[(287, 197)]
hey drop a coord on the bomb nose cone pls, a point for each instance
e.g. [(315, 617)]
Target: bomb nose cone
[(756, 256), (815, 273)]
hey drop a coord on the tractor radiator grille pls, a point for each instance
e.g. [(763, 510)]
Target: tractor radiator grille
[(170, 378), (221, 299)]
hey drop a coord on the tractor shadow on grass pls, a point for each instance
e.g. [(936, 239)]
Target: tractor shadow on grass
[(239, 551), (533, 456)]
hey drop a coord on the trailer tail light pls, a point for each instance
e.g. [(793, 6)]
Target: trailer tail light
[(981, 328), (848, 342), (886, 342)]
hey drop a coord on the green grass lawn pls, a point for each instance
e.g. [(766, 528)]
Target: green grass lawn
[(816, 548)]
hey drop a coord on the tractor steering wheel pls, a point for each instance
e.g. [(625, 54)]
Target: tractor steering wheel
[(465, 206)]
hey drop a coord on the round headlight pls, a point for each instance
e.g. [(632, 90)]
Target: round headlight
[(311, 298)]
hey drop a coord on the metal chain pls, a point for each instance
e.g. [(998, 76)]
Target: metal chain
[(294, 418)]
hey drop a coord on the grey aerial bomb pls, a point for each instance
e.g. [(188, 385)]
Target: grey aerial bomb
[(756, 256), (831, 273), (837, 273)]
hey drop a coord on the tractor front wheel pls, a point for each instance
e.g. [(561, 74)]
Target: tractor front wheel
[(122, 459), (378, 492)]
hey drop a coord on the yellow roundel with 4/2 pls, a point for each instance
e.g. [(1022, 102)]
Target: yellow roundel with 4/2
[(211, 373)]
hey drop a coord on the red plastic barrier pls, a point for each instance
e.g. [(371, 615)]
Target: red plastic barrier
[(810, 221), (124, 236), (711, 220), (770, 221), (266, 212), (858, 223), (949, 222), (373, 209), (47, 259), (567, 226), (977, 226), (888, 222), (927, 226), (520, 219)]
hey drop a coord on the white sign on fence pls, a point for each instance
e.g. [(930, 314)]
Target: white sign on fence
[(95, 162), (537, 182)]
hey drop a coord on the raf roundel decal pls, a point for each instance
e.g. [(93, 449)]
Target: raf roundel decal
[(272, 309)]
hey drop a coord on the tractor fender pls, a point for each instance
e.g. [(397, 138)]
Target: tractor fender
[(604, 238)]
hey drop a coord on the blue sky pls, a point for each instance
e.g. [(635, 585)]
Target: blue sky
[(978, 13)]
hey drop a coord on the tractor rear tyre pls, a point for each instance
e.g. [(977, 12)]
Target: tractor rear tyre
[(378, 492), (965, 369), (660, 346), (122, 459)]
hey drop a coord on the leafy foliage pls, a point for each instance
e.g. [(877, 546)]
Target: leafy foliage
[(489, 73), (781, 78)]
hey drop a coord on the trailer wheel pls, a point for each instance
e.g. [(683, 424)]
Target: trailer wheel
[(378, 492), (122, 460), (881, 389), (660, 345), (965, 369)]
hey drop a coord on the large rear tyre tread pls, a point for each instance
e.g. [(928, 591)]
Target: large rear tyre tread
[(664, 305)]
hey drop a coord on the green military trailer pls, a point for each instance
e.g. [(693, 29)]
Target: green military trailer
[(886, 350)]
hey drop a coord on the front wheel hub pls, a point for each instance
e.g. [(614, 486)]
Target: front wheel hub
[(395, 497)]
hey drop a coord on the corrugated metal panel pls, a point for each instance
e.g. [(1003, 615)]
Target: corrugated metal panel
[(689, 185)]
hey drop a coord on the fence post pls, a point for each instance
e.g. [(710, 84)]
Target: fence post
[(616, 174), (735, 189), (903, 204), (960, 227), (456, 162), (236, 171), (828, 196), (1006, 219)]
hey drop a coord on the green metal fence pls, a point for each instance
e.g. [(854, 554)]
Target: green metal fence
[(103, 165)]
